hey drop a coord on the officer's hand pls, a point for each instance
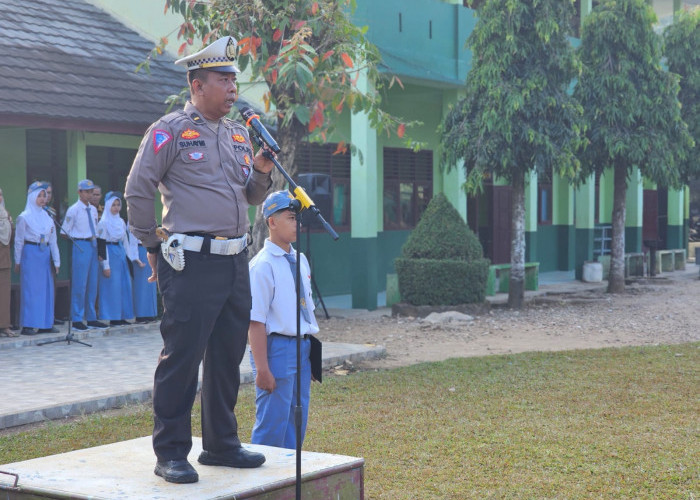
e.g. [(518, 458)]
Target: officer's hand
[(265, 380), (262, 163), (153, 261)]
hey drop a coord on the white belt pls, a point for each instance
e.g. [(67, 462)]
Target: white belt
[(218, 247)]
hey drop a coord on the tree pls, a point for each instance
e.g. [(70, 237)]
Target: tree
[(308, 54), (631, 108), (517, 115), (682, 51)]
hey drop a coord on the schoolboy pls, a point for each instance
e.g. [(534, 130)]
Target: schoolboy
[(272, 332), (80, 225)]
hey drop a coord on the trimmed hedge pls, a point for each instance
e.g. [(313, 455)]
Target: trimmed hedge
[(432, 282), (442, 260), (441, 233)]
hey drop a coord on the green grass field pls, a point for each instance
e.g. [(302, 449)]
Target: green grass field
[(610, 423)]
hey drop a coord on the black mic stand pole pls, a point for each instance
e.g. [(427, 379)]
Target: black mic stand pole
[(69, 337), (304, 203)]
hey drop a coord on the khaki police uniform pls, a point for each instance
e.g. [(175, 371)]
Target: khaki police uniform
[(207, 182)]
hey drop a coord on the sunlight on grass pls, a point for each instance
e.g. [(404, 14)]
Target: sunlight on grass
[(577, 424)]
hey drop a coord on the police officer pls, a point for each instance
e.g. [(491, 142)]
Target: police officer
[(207, 173)]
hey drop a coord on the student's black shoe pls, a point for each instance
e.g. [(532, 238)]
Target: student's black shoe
[(176, 471), (79, 325), (143, 320), (48, 330), (96, 324), (29, 331), (118, 322)]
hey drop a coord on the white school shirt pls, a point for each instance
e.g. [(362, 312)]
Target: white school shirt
[(76, 223), (274, 294), (24, 232), (131, 251)]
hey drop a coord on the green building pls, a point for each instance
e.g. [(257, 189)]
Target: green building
[(75, 108)]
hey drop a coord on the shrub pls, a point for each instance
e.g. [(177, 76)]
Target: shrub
[(441, 282), (442, 261)]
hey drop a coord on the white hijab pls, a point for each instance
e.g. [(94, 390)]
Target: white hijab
[(112, 226), (35, 216), (5, 226)]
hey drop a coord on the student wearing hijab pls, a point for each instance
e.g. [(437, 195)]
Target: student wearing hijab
[(5, 264), (145, 295), (114, 296), (35, 247)]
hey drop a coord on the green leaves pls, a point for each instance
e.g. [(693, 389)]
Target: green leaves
[(630, 102), (517, 114)]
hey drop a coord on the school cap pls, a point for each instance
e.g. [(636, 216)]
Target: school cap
[(218, 56), (279, 200), (86, 184), (113, 194), (36, 185)]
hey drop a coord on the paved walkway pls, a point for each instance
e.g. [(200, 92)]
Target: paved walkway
[(60, 379)]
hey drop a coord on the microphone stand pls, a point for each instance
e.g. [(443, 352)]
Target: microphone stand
[(304, 203), (69, 337)]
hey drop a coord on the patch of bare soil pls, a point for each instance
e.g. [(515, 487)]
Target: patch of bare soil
[(656, 311)]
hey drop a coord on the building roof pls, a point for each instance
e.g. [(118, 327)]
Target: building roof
[(69, 65)]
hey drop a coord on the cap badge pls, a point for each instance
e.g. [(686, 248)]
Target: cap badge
[(189, 134), (160, 139), (231, 49)]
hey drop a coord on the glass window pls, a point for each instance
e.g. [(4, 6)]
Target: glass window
[(408, 186), (312, 158)]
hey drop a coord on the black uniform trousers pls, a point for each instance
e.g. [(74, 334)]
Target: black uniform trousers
[(206, 316)]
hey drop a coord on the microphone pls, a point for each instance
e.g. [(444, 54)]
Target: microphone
[(47, 210), (252, 120)]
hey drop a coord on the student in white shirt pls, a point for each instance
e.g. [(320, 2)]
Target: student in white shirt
[(35, 247), (272, 332)]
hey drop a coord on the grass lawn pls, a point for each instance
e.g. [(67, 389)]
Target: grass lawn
[(610, 423)]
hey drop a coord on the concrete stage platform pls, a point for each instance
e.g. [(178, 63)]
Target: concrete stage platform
[(125, 471)]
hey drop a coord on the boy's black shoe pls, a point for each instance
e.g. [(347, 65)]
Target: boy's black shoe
[(48, 330), (176, 471), (238, 457), (79, 325), (29, 331), (96, 324), (118, 322)]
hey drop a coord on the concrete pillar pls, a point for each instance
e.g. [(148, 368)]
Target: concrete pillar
[(531, 216), (563, 220), (584, 224), (634, 215), (366, 207), (77, 162)]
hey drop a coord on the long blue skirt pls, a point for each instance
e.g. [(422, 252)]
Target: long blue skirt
[(114, 294), (36, 277), (145, 296)]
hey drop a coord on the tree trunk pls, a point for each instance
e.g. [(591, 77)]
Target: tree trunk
[(616, 280), (287, 139), (516, 290)]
